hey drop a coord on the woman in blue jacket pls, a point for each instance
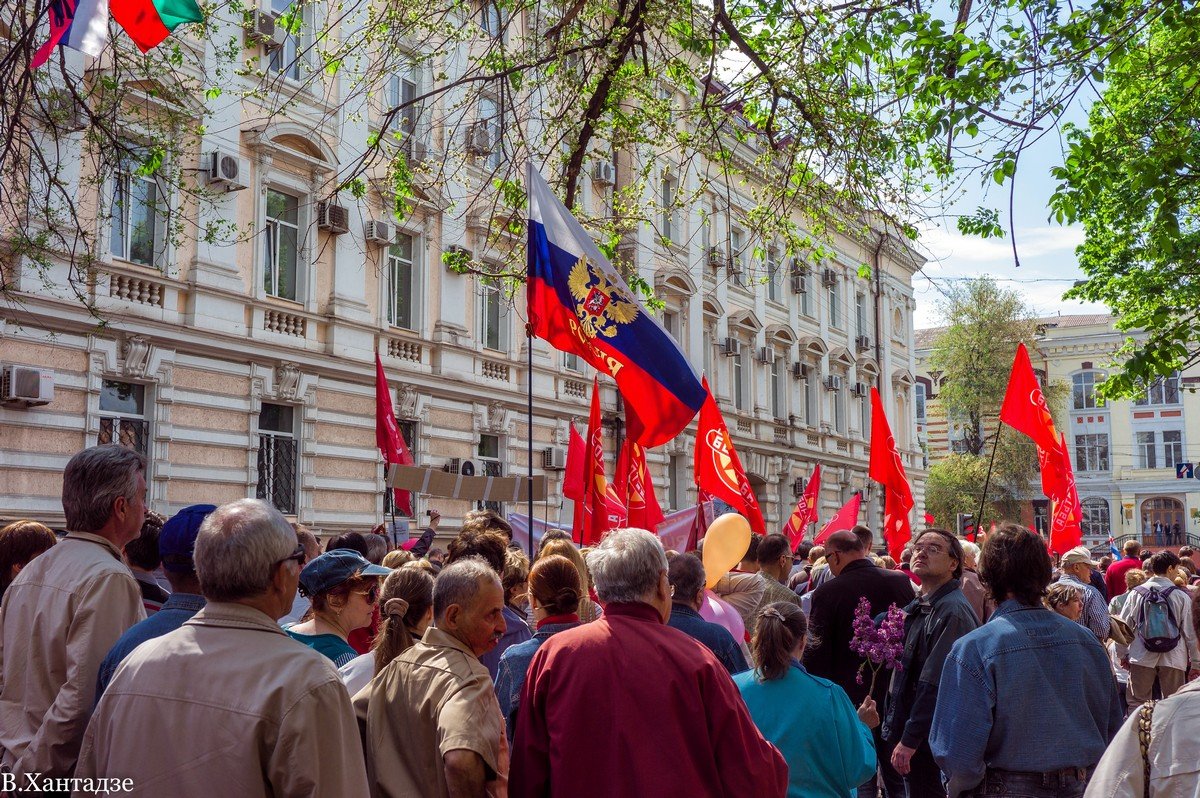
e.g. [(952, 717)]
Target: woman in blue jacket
[(810, 720)]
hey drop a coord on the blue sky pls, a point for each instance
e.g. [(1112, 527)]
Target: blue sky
[(1046, 249)]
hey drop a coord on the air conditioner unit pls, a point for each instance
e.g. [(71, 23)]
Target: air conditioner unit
[(833, 382), (829, 277), (26, 385), (456, 465), (479, 139), (460, 252), (333, 217), (766, 355), (262, 31), (862, 343), (800, 370), (716, 258), (798, 267), (859, 389), (799, 284), (731, 347), (604, 172), (380, 232), (735, 268), (226, 169), (554, 458)]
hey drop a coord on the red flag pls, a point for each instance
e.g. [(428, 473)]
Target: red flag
[(699, 525), (1024, 407), (387, 434), (846, 519), (805, 512), (602, 510), (887, 469), (574, 479), (1066, 530), (718, 469), (635, 488)]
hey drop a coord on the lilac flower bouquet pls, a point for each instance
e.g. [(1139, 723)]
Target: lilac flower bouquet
[(880, 646)]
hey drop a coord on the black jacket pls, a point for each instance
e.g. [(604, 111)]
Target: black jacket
[(831, 625)]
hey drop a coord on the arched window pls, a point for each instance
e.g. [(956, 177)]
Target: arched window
[(1096, 521), (1083, 390)]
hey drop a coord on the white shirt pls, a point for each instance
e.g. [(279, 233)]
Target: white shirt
[(358, 672), (1181, 603), (300, 606)]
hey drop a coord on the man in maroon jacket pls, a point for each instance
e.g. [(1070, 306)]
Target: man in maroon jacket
[(628, 706), (1114, 577)]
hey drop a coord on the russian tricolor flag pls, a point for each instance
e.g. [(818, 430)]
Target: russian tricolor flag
[(79, 24), (581, 304)]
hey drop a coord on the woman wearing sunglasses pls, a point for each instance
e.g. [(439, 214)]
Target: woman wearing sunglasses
[(344, 589)]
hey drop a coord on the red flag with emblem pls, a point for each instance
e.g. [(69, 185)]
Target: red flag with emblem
[(1058, 482), (845, 519), (805, 512), (635, 488), (1024, 407), (387, 435), (602, 510), (887, 469), (719, 472)]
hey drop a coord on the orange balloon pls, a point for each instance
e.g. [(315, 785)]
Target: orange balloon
[(725, 543)]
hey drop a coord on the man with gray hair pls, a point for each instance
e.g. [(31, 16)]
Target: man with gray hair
[(65, 610), (259, 714), (626, 705), (433, 724)]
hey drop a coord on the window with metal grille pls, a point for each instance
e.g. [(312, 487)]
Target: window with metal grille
[(408, 431), (123, 416), (490, 465), (278, 457)]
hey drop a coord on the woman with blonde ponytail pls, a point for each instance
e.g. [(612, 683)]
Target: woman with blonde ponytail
[(822, 763), (406, 609)]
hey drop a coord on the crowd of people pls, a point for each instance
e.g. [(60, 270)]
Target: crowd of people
[(225, 651)]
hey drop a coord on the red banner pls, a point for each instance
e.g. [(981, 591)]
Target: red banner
[(387, 435), (718, 470), (1024, 407), (805, 512), (887, 469), (635, 488), (844, 520)]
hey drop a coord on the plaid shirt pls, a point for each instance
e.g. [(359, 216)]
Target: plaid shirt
[(1095, 611)]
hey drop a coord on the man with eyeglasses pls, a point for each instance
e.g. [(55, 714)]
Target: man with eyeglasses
[(228, 704), (940, 615)]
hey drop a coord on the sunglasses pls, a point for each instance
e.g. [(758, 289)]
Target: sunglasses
[(297, 555), (371, 595)]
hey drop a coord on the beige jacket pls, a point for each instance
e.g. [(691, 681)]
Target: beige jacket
[(60, 617), (1174, 753), (226, 705)]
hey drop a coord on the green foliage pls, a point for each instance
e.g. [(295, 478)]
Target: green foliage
[(955, 485), (985, 223)]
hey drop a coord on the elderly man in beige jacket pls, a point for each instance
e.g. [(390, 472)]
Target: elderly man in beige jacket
[(63, 613), (228, 704)]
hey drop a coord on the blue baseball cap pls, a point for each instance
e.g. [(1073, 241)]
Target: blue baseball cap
[(334, 567), (177, 540)]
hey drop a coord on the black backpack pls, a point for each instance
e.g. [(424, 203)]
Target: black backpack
[(1157, 626)]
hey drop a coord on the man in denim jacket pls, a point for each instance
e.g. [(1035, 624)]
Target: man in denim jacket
[(1027, 702)]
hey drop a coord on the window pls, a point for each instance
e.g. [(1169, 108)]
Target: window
[(737, 240), (572, 362), (123, 415), (277, 457), (490, 19), (739, 390), (408, 431), (666, 200), (1091, 452), (1163, 391), (864, 416), (919, 401), (136, 211), (1096, 523), (493, 317), (778, 394), (838, 401), (402, 287), (773, 293), (677, 486), (810, 401), (489, 116), (402, 93), (287, 60), (1146, 450), (860, 314), (490, 465), (1172, 448), (282, 239), (670, 323), (959, 446), (805, 302), (1083, 391), (835, 311)]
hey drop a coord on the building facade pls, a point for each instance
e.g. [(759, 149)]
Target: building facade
[(1133, 460), (245, 368)]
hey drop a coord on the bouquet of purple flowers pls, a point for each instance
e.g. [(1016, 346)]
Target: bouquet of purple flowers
[(881, 645)]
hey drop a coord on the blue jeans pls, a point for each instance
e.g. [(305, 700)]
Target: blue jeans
[(1067, 783)]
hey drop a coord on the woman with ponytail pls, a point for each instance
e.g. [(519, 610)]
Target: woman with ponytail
[(406, 609), (822, 763), (555, 592)]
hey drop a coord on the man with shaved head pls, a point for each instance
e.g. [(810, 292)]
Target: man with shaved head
[(831, 626)]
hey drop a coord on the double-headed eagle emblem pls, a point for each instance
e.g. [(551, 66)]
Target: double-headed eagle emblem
[(600, 304)]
